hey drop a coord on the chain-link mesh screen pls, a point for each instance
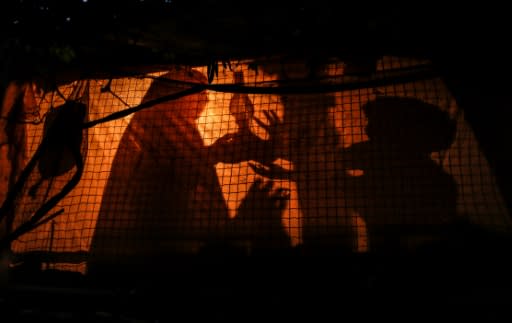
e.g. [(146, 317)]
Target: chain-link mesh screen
[(381, 166)]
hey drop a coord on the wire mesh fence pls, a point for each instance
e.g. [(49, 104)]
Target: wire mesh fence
[(266, 158)]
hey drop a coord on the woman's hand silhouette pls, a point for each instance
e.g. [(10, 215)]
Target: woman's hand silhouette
[(244, 145), (273, 171)]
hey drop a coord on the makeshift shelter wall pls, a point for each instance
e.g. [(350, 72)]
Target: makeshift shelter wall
[(478, 200)]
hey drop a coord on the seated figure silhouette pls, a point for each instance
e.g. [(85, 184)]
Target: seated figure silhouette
[(257, 228), (404, 197), (163, 196), (259, 218)]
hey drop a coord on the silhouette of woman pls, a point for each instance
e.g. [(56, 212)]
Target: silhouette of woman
[(403, 195), (163, 196)]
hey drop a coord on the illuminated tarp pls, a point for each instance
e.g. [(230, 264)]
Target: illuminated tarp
[(357, 169)]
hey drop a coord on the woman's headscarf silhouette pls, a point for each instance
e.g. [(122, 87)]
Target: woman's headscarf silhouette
[(163, 196)]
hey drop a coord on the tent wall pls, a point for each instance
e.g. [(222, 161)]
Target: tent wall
[(323, 205)]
